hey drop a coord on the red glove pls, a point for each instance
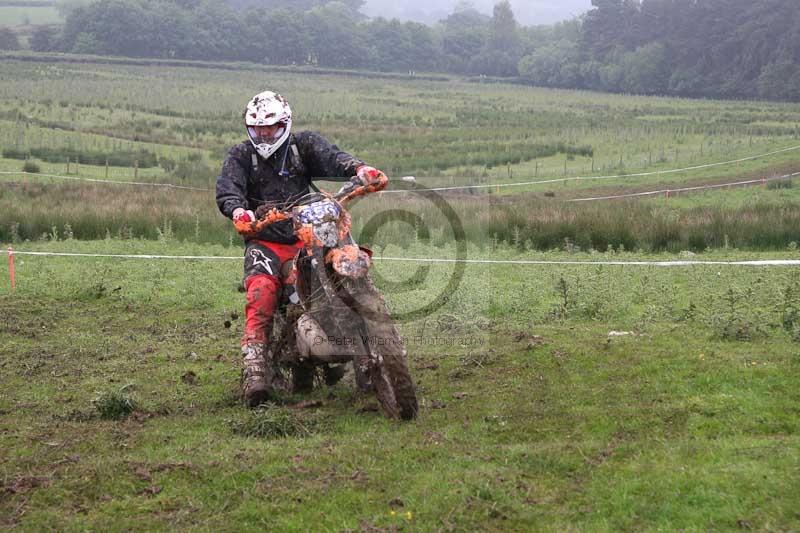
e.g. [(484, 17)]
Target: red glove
[(372, 177), (367, 174)]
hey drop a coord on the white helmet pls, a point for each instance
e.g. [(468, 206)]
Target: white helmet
[(267, 109)]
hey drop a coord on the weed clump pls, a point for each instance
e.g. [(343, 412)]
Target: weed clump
[(736, 320), (115, 405), (779, 184), (32, 167), (274, 422)]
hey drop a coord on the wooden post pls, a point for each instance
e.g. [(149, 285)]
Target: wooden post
[(77, 165), (106, 168), (565, 168), (68, 166), (536, 170), (136, 169), (11, 269)]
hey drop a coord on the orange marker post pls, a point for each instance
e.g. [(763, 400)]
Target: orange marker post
[(11, 268)]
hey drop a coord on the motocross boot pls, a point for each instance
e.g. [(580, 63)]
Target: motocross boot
[(257, 374)]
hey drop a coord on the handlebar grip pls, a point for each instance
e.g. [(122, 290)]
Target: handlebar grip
[(251, 228)]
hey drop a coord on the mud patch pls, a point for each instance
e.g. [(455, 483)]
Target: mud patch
[(190, 378), (24, 485)]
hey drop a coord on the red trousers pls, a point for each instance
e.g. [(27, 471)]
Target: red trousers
[(263, 286)]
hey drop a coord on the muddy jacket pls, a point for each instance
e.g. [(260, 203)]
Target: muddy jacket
[(247, 180)]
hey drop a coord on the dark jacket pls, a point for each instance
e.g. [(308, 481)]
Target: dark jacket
[(248, 181)]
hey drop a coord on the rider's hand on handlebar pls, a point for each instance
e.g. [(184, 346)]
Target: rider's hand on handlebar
[(243, 220), (370, 178), (243, 215), (368, 174), (367, 179)]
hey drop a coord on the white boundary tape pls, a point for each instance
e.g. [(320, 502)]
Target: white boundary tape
[(618, 176), (685, 189), (111, 182), (767, 262), (435, 189)]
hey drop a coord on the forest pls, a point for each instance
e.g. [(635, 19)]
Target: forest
[(692, 48)]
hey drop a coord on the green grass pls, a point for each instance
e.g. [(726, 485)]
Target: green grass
[(445, 131), (671, 428)]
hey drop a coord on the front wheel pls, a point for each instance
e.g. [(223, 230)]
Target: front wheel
[(388, 361), (394, 387)]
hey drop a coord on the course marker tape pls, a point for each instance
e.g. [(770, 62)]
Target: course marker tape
[(766, 262), (435, 189), (618, 176), (668, 192), (112, 182)]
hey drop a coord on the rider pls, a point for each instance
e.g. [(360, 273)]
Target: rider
[(276, 167)]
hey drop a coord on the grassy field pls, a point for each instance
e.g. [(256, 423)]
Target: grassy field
[(173, 124), (458, 130), (534, 417), (118, 378)]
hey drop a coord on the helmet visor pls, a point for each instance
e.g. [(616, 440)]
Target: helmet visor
[(266, 134)]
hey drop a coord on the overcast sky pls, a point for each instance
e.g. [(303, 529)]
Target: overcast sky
[(527, 12)]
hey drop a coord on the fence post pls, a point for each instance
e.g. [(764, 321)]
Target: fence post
[(11, 268), (67, 165), (136, 169), (106, 168)]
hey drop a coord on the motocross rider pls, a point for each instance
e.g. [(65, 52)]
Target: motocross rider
[(274, 166)]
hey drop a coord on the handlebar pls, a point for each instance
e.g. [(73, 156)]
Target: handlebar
[(342, 197)]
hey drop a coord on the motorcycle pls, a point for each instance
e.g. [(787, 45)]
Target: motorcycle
[(331, 313)]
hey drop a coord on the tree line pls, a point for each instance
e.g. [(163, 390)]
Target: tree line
[(697, 48)]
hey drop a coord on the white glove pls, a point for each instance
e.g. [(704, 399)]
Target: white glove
[(242, 215)]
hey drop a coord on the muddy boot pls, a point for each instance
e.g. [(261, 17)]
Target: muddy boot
[(333, 374), (302, 378), (362, 366), (256, 375)]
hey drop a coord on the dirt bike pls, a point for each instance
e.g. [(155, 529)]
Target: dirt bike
[(331, 313)]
